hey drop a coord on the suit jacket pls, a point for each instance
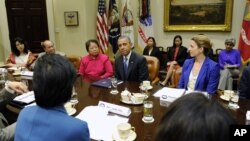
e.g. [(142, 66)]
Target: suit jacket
[(6, 133), (53, 124), (155, 52), (244, 88), (137, 68), (181, 55), (208, 77)]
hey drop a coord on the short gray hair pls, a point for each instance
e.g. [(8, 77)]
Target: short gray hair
[(230, 40)]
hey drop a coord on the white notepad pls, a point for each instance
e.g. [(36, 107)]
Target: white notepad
[(26, 97)]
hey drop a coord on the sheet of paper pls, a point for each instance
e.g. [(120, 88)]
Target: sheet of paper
[(101, 124), (171, 92), (26, 97), (27, 73)]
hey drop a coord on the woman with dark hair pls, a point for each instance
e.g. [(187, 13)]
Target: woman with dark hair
[(176, 56), (151, 49), (230, 62), (194, 117), (53, 80), (200, 72), (95, 66), (20, 55)]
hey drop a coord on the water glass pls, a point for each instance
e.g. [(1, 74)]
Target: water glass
[(233, 100), (3, 75), (144, 89), (114, 83), (148, 111)]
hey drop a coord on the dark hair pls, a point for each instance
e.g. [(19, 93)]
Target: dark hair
[(194, 117), (87, 44), (154, 43), (53, 80), (21, 41), (175, 37), (124, 37), (204, 42)]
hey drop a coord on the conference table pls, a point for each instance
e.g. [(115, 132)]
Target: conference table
[(88, 95)]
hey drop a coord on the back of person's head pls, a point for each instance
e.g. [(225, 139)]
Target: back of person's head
[(175, 37), (194, 117), (204, 42), (53, 80), (87, 44), (21, 41), (230, 41)]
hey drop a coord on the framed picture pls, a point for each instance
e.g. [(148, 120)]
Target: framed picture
[(198, 15), (71, 18)]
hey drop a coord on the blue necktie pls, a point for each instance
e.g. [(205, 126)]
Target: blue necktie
[(125, 64)]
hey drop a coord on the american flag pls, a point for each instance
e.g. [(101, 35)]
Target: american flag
[(102, 28)]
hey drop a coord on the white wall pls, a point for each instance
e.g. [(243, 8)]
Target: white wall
[(71, 39)]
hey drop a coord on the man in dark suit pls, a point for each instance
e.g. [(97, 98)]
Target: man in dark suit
[(6, 95), (244, 88), (130, 66)]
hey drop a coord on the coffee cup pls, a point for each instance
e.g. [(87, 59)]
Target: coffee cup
[(124, 130), (69, 106), (228, 93), (138, 97), (125, 95), (146, 83)]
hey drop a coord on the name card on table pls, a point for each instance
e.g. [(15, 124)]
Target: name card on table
[(168, 95), (248, 115), (117, 109)]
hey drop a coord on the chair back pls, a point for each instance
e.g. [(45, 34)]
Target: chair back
[(153, 68), (75, 60)]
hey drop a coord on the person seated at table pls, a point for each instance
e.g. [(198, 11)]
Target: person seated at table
[(20, 55), (95, 65), (244, 89), (229, 61), (53, 81), (49, 48), (130, 66), (11, 90), (200, 72), (194, 117), (176, 56), (151, 49)]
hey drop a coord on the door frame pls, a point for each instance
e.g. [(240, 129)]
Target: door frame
[(4, 29)]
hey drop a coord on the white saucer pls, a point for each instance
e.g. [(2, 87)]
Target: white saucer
[(234, 107), (132, 136), (224, 98), (71, 111), (149, 87), (130, 102), (146, 121)]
